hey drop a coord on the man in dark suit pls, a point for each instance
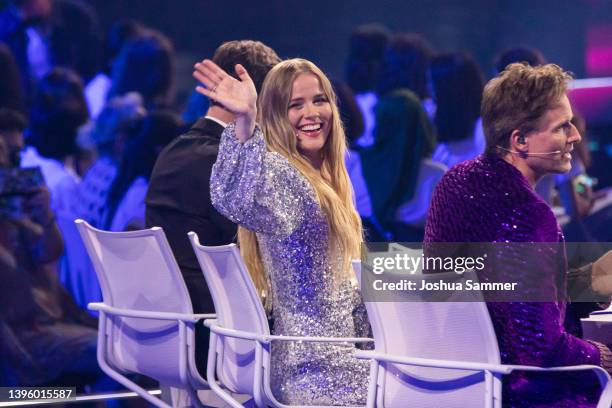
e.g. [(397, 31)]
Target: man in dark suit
[(178, 199)]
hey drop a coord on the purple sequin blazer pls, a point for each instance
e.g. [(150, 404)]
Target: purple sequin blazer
[(489, 200)]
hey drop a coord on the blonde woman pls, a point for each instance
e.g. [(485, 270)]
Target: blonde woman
[(285, 183)]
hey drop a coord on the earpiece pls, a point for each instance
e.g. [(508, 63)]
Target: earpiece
[(521, 139)]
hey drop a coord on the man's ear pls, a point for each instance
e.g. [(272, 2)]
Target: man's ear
[(518, 143)]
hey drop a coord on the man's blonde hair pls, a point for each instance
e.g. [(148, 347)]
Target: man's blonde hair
[(517, 99)]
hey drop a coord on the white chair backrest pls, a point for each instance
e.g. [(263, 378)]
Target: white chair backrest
[(460, 331), (237, 306), (137, 271)]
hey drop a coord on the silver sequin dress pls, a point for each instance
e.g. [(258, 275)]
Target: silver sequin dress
[(262, 191)]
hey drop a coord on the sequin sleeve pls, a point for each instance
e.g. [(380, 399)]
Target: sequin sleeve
[(255, 188), (533, 333)]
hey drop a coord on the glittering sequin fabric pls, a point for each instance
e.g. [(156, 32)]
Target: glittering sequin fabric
[(489, 200), (261, 191)]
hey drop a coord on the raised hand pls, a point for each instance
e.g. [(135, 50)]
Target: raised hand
[(237, 96)]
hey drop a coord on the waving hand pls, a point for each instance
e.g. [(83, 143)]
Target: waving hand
[(237, 96)]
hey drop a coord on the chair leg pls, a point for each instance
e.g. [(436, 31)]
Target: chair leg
[(116, 375), (210, 374), (497, 390), (373, 384), (130, 385)]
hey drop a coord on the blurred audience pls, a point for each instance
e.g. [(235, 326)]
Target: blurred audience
[(457, 85), (43, 334), (405, 66), (366, 49), (399, 173), (531, 56), (57, 111), (11, 93), (108, 135), (12, 126), (146, 65), (352, 120), (43, 34), (97, 89), (125, 205), (197, 105)]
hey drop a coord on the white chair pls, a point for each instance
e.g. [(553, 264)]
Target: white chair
[(239, 350), (146, 321), (444, 355)]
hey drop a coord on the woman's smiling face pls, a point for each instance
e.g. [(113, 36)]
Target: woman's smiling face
[(310, 115)]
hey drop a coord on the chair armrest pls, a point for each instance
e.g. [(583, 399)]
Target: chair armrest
[(267, 338), (581, 367), (426, 362), (603, 376), (467, 365), (147, 314), (315, 339), (238, 334)]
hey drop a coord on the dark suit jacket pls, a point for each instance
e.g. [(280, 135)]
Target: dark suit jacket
[(178, 200)]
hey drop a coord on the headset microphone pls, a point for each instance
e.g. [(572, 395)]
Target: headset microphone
[(530, 154)]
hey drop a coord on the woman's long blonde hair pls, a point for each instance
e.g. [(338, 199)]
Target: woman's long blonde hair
[(332, 185)]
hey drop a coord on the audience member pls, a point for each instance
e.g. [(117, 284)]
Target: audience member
[(457, 85), (47, 33), (43, 334), (366, 49), (530, 56), (397, 168), (405, 66), (97, 89), (146, 65), (108, 135), (352, 119), (125, 205), (590, 211), (12, 126), (353, 125), (197, 106), (57, 111), (11, 93)]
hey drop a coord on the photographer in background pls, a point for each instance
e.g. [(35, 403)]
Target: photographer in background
[(43, 335)]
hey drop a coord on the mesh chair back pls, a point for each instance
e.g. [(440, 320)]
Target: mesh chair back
[(137, 271), (238, 307), (460, 331)]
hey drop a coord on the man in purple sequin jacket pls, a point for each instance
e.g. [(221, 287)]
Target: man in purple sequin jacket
[(526, 117)]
